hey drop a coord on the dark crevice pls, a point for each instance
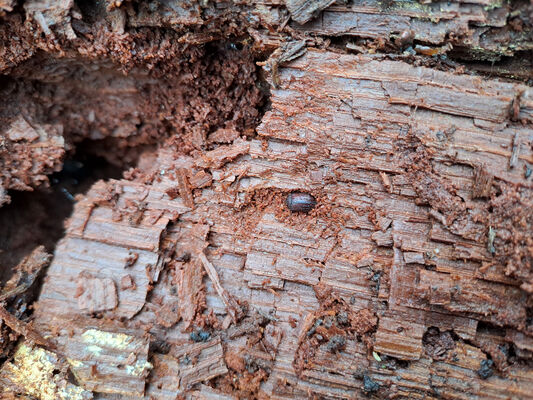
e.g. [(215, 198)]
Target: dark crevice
[(518, 67), (37, 218), (91, 10)]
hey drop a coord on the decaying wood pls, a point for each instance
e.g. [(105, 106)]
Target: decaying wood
[(95, 294), (104, 360), (184, 188), (189, 364), (23, 329), (261, 254), (429, 22), (29, 152), (412, 276), (304, 10), (19, 291), (26, 273), (190, 290), (482, 183), (515, 152)]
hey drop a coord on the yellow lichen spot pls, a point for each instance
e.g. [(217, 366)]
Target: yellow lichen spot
[(32, 370), (119, 341), (74, 363), (94, 349), (138, 368)]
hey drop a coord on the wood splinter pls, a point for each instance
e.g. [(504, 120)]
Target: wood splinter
[(29, 268), (24, 329), (515, 152), (386, 181), (232, 306), (184, 188), (482, 182)]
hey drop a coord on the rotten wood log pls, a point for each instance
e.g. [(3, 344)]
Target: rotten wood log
[(412, 276), (334, 245)]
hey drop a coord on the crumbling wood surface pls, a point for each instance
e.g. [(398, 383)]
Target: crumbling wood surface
[(411, 278), (351, 117), (479, 25)]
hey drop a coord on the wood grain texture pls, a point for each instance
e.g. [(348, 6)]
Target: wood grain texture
[(336, 125)]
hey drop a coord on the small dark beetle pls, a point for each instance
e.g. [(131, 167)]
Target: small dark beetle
[(405, 38), (300, 202)]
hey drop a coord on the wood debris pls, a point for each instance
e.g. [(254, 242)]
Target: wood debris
[(190, 291), (107, 362), (286, 52), (18, 292), (29, 153), (127, 282), (26, 273), (201, 179), (232, 306), (304, 10), (22, 328), (482, 183), (96, 294), (184, 188), (515, 150), (186, 365), (223, 135), (223, 154)]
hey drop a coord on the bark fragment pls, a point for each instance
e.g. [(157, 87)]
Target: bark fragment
[(303, 10), (482, 183)]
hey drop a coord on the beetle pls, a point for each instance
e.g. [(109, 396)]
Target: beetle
[(300, 202)]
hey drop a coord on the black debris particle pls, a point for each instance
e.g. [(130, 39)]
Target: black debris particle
[(336, 343), (369, 385), (485, 370), (200, 336)]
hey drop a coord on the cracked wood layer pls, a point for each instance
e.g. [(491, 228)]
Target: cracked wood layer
[(473, 29), (482, 24), (340, 128), (430, 23), (478, 28), (115, 232)]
